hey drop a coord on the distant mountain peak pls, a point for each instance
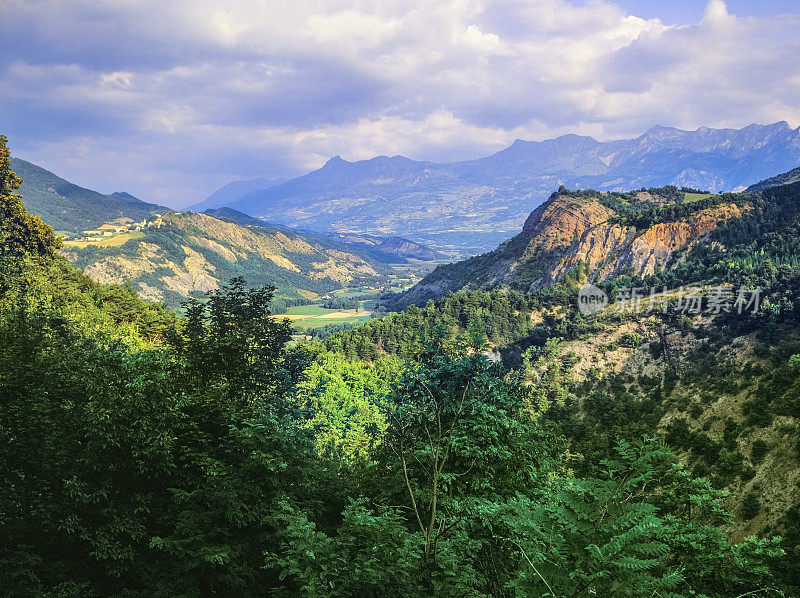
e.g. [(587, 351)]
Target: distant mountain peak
[(575, 137), (469, 206), (781, 125), (336, 160), (660, 131)]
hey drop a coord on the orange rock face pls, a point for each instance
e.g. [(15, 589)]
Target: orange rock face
[(567, 231), (610, 248)]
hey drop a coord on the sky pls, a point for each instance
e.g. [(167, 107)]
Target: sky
[(170, 100)]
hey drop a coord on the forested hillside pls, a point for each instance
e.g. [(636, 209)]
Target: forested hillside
[(607, 236), (149, 455), (72, 209), (782, 179), (189, 254)]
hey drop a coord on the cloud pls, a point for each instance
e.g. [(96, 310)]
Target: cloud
[(722, 71), (170, 100)]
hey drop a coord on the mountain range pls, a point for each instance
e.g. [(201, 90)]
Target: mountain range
[(600, 235), (191, 253), (670, 354), (171, 256), (469, 207)]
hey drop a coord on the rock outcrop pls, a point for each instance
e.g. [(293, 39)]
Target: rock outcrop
[(572, 230)]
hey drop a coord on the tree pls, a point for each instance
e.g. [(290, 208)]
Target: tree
[(231, 344), (459, 444), (121, 477), (22, 235), (344, 402), (372, 554)]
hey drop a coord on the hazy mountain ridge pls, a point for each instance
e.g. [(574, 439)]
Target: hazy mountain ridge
[(471, 206), (70, 208), (238, 217), (388, 249), (232, 191), (383, 249)]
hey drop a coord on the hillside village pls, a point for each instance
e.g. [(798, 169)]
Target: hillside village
[(115, 227)]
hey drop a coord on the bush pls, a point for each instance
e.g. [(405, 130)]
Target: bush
[(757, 412), (747, 474), (278, 306), (751, 505), (631, 340), (758, 451)]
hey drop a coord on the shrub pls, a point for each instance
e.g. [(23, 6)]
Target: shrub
[(758, 451), (631, 340), (751, 505)]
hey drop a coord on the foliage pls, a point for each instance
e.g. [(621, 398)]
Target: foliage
[(759, 250), (231, 345), (146, 455), (22, 235), (439, 327), (344, 401), (372, 554), (482, 506), (341, 303), (126, 473), (329, 330)]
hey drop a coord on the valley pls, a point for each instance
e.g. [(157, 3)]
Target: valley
[(169, 256), (688, 374), (412, 299), (309, 317), (469, 207)]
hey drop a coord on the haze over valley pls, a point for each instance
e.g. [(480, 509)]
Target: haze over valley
[(469, 207)]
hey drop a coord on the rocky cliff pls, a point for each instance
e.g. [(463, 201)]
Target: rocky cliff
[(593, 231)]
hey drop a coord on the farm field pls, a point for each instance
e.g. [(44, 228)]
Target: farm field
[(690, 197), (112, 241), (312, 316)]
